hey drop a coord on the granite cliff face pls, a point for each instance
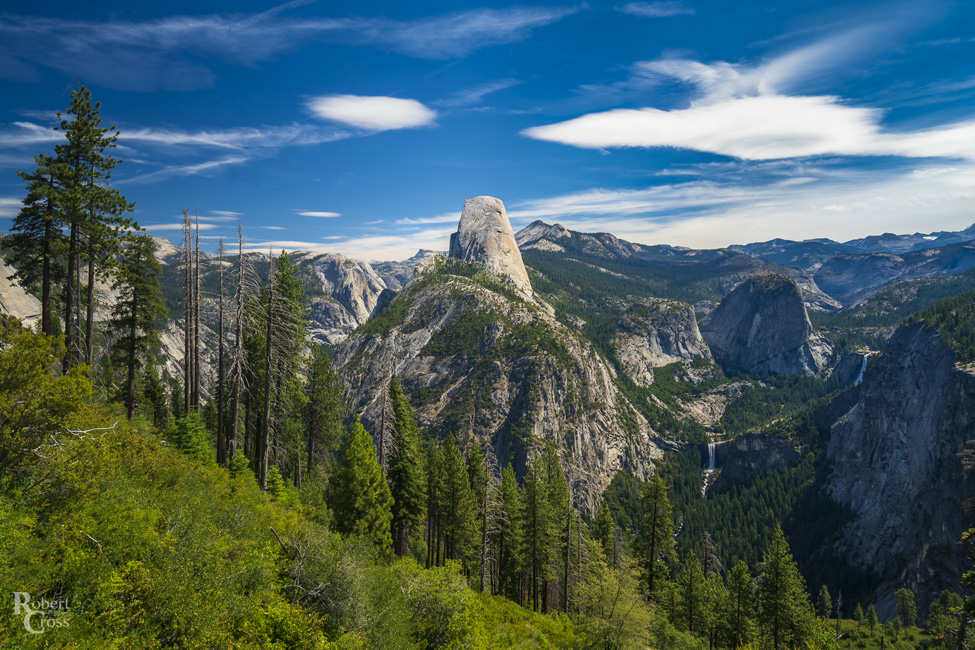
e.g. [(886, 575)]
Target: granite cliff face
[(475, 357), (895, 466), (656, 333), (762, 326), (484, 236)]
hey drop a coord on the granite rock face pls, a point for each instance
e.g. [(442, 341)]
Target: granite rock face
[(655, 333), (474, 362), (750, 454), (484, 235), (895, 466), (15, 301), (762, 326)]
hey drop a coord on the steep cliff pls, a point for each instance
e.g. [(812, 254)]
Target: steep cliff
[(655, 333), (895, 466), (762, 326), (484, 236)]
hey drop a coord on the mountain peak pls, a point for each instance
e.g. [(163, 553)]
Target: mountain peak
[(484, 235)]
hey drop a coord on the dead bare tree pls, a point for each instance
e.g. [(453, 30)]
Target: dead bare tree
[(386, 436), (196, 319), (245, 285), (263, 438), (187, 312), (492, 515), (221, 434)]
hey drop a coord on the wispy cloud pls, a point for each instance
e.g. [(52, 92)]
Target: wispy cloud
[(184, 170), (9, 207), (273, 228), (655, 9), (226, 213), (839, 203), (447, 217), (474, 96), (372, 113), (323, 215), (158, 227), (753, 113), (29, 133), (173, 53)]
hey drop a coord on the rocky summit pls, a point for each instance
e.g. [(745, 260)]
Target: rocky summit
[(762, 326), (484, 236)]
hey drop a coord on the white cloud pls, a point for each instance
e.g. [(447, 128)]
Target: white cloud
[(447, 217), (334, 237), (175, 226), (273, 228), (174, 53), (655, 9), (184, 170), (324, 215), (841, 204), (226, 213), (763, 127), (10, 207), (372, 113), (753, 112)]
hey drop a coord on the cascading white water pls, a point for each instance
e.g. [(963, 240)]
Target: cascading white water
[(863, 369), (709, 470)]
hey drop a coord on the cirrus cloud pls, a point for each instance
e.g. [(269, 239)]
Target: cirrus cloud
[(372, 113)]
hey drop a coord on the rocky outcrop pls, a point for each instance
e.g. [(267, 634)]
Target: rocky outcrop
[(16, 302), (751, 454), (762, 327), (354, 284), (655, 333), (846, 276), (894, 465), (473, 361), (484, 236)]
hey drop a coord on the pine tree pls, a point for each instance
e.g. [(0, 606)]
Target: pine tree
[(537, 519), (510, 538), (858, 616), (824, 603), (784, 611), (35, 243), (458, 511), (906, 608), (871, 619), (435, 496), (406, 476), (691, 590), (89, 208), (657, 533), (139, 305), (360, 497), (604, 532), (741, 594), (326, 409)]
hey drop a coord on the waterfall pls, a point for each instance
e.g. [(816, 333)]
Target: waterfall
[(863, 369), (709, 470)]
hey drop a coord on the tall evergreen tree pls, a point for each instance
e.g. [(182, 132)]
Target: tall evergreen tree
[(406, 476), (35, 244), (510, 538), (741, 596), (325, 409), (784, 611), (458, 512), (824, 604), (436, 488), (906, 608), (872, 618), (139, 306), (691, 591), (537, 520), (656, 541), (604, 532), (360, 496), (89, 208)]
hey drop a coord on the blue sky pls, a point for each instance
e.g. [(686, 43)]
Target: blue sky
[(361, 128)]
